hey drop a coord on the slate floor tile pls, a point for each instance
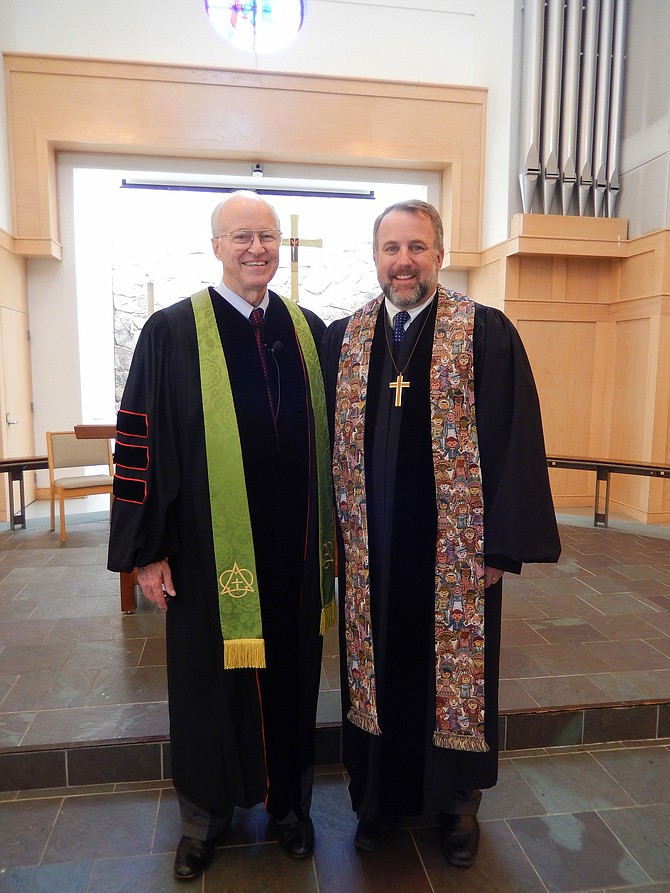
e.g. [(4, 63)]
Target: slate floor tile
[(103, 825), (644, 833), (572, 783), (73, 878), (576, 851), (644, 772), (26, 826), (340, 868), (501, 864), (148, 874)]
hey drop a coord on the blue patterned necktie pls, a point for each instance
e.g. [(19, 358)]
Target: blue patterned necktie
[(399, 321)]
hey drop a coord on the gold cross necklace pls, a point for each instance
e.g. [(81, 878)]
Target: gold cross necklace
[(400, 383)]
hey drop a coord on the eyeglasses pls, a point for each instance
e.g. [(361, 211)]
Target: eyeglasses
[(246, 236)]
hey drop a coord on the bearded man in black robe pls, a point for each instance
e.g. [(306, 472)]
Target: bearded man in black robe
[(441, 487), (223, 500)]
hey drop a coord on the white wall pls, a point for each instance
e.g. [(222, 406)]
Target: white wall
[(645, 151), (497, 33), (54, 333), (338, 36)]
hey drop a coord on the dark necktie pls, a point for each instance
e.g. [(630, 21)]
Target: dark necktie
[(256, 318), (399, 321)]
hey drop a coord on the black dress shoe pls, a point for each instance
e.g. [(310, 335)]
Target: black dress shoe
[(193, 857), (460, 839), (373, 831), (297, 838)]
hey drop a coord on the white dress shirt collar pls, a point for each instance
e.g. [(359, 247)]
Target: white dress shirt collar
[(244, 307)]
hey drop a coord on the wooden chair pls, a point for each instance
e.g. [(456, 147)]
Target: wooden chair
[(65, 450)]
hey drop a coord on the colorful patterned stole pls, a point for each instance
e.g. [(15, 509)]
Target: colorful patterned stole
[(459, 553)]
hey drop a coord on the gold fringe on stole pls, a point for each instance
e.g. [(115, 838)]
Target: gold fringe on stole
[(457, 742), (328, 617), (364, 721), (243, 653)]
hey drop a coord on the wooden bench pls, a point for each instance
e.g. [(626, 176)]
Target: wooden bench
[(604, 468), (15, 468)]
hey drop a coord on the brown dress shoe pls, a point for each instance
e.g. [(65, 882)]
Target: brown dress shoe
[(373, 831), (460, 839), (297, 838), (192, 858)]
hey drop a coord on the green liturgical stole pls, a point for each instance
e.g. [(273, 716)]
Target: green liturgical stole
[(239, 603)]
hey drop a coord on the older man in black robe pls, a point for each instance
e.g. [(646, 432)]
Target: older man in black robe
[(441, 486), (223, 499)]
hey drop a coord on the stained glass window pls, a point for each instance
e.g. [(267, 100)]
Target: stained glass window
[(262, 26)]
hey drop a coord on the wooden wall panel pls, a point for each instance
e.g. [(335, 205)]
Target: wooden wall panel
[(13, 288), (629, 428), (562, 356), (594, 311), (536, 279), (133, 108), (13, 297), (638, 276), (486, 284), (630, 384), (591, 280)]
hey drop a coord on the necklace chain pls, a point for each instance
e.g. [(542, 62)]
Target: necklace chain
[(401, 372)]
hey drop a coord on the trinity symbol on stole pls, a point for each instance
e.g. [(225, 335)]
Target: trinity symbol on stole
[(236, 582), (327, 554)]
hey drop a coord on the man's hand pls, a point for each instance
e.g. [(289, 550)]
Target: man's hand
[(491, 575), (156, 583)]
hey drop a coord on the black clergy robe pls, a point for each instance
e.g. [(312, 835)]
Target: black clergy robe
[(236, 735), (400, 772)]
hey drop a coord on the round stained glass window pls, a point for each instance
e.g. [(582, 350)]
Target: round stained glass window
[(262, 26)]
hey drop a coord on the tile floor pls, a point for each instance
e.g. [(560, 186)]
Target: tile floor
[(569, 820), (592, 631)]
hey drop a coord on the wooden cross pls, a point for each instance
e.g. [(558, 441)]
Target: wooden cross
[(295, 242), (398, 384)]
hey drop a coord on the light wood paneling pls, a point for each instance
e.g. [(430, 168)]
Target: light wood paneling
[(562, 355), (126, 108), (595, 318), (589, 279), (15, 377), (13, 288)]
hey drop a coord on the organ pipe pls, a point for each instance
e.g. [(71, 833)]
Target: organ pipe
[(616, 105), (603, 82), (551, 100), (587, 103), (571, 103), (529, 166)]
